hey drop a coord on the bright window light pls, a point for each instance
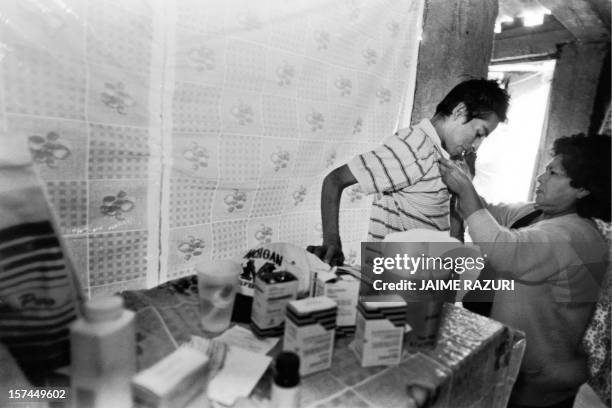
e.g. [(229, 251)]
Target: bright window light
[(534, 17), (500, 20), (506, 159)]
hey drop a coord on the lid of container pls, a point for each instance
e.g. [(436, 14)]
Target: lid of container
[(374, 302), (104, 309), (287, 369), (311, 305)]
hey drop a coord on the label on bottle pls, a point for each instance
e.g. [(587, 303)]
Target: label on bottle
[(285, 397)]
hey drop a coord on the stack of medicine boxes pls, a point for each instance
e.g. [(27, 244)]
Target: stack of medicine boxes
[(381, 322), (309, 332)]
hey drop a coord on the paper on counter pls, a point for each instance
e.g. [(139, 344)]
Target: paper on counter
[(243, 338), (240, 373)]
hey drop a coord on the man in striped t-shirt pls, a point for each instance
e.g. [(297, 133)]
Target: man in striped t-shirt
[(403, 171)]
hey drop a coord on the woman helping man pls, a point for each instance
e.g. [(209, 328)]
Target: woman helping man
[(557, 258)]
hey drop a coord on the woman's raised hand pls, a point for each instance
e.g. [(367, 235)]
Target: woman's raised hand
[(455, 175)]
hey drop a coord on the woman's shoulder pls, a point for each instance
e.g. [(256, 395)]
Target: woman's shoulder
[(573, 237), (576, 228), (509, 213)]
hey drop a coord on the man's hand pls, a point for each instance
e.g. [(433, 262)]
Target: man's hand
[(329, 253)]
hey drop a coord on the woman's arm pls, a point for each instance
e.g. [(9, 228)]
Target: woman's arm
[(470, 201), (458, 180), (535, 253)]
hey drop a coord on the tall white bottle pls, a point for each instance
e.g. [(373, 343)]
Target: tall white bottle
[(103, 355)]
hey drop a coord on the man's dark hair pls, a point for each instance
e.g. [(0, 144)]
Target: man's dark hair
[(586, 160), (481, 97)]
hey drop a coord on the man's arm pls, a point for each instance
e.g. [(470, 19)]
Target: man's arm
[(333, 185)]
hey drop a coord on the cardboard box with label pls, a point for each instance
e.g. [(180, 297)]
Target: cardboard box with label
[(381, 322), (309, 332), (343, 288)]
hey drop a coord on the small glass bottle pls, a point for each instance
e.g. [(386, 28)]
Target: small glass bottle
[(103, 355), (286, 385)]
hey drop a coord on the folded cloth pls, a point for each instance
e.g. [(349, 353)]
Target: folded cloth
[(39, 291)]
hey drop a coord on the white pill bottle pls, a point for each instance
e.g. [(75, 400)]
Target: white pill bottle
[(103, 355)]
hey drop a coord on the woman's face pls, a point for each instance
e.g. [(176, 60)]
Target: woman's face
[(554, 195)]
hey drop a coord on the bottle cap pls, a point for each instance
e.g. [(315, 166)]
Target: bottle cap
[(287, 369), (104, 309)]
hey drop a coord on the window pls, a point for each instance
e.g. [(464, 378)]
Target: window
[(506, 159)]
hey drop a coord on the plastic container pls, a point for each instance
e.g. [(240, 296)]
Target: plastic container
[(217, 285), (103, 351)]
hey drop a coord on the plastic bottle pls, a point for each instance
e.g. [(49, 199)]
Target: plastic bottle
[(103, 352), (286, 385)]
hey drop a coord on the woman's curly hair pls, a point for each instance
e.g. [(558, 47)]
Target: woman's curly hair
[(586, 160)]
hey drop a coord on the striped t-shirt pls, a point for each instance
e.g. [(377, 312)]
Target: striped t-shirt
[(404, 173)]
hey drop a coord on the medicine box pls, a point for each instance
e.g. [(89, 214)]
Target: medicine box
[(273, 290), (380, 329), (173, 381), (309, 332), (343, 288)]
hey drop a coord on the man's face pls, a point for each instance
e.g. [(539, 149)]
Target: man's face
[(462, 135)]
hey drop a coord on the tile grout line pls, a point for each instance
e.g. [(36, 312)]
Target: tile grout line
[(348, 388)]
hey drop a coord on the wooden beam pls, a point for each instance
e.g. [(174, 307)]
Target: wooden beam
[(603, 9), (510, 8), (579, 17), (530, 41), (572, 94), (457, 44), (549, 24)]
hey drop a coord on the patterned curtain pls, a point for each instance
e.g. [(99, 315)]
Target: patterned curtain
[(172, 132)]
